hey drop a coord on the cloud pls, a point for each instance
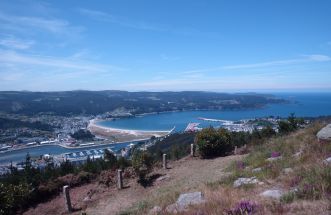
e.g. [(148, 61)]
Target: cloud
[(319, 58), (233, 83), (14, 43), (305, 59), (10, 57), (57, 26), (141, 25), (11, 76), (106, 17)]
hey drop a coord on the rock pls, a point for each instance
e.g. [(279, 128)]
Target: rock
[(325, 133), (87, 199), (288, 170), (275, 193), (163, 178), (190, 199), (185, 200), (327, 161), (274, 158), (298, 154), (242, 181), (155, 210), (259, 169)]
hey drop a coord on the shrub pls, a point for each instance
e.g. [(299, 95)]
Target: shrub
[(142, 163), (243, 208), (213, 142)]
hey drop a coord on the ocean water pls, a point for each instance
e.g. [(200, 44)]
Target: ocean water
[(302, 104)]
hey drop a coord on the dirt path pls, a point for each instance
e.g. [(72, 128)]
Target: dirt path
[(184, 175)]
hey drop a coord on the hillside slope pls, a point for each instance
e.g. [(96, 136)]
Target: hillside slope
[(297, 171), (121, 102)]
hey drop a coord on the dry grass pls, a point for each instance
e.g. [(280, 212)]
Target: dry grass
[(215, 179), (307, 169)]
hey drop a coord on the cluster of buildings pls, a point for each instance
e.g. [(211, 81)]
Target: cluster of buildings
[(63, 127)]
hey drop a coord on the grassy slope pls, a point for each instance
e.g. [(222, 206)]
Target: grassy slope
[(215, 177), (310, 177)]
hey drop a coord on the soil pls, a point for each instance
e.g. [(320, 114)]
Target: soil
[(183, 175)]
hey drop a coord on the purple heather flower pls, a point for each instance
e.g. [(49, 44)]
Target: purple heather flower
[(240, 165), (275, 154), (243, 207)]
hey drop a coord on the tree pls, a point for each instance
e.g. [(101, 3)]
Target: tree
[(142, 163), (268, 132), (110, 158), (284, 127), (212, 142)]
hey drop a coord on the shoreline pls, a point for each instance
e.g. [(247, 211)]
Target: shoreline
[(93, 122), (123, 135)]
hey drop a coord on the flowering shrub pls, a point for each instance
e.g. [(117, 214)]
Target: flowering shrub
[(295, 181), (275, 154), (309, 191), (240, 165), (213, 142), (243, 208)]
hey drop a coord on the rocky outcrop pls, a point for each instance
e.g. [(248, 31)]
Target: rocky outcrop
[(245, 181), (185, 200), (274, 193), (324, 134)]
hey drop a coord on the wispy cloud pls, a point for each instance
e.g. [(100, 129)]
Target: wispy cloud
[(58, 26), (106, 17), (318, 58), (142, 25), (233, 83), (305, 59), (14, 43), (10, 57)]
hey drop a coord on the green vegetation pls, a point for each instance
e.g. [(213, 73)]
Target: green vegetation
[(13, 123), (291, 124), (309, 178), (213, 142), (142, 163), (177, 145), (22, 189), (99, 102), (83, 134)]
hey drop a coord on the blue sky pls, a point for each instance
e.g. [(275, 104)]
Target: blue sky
[(163, 45)]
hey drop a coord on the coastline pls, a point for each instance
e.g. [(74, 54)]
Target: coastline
[(123, 135)]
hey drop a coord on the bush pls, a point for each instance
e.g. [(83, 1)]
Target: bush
[(212, 142), (142, 163)]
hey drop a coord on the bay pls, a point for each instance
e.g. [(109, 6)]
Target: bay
[(302, 104)]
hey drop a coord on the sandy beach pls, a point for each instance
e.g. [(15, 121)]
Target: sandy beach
[(120, 135)]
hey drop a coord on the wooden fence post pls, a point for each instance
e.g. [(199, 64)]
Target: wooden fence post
[(67, 198), (164, 161), (119, 179), (192, 150)]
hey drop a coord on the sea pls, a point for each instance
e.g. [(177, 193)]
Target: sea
[(301, 104)]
